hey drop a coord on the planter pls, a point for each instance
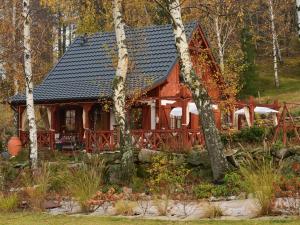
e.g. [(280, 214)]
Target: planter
[(14, 146)]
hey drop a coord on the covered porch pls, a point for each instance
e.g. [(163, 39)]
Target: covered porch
[(153, 123)]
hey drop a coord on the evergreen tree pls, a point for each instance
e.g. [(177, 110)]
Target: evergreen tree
[(249, 74)]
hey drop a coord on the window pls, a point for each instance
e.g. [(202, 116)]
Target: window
[(175, 122), (70, 120), (136, 118)]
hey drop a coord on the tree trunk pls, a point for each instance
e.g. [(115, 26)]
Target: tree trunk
[(200, 96), (298, 16), (121, 71), (14, 22), (59, 45), (274, 37), (29, 86), (220, 45), (64, 39)]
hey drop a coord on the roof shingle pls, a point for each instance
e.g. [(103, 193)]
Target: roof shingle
[(86, 70)]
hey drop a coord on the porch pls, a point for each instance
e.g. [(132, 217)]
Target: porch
[(90, 126)]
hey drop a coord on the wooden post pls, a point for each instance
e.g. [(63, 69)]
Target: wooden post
[(86, 125), (284, 125), (52, 126), (184, 124), (251, 110)]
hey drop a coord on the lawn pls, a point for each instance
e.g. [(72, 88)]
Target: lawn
[(44, 219), (289, 75)]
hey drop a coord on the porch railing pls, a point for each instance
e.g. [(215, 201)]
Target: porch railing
[(175, 140), (44, 139)]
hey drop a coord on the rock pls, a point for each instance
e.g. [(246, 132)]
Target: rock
[(146, 155), (198, 158), (51, 204), (113, 173)]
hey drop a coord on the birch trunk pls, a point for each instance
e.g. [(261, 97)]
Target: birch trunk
[(121, 71), (298, 16), (220, 46), (200, 96), (274, 37), (29, 86), (14, 16)]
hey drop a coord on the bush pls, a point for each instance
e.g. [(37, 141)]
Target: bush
[(37, 186), (125, 207), (9, 203), (261, 179), (233, 185), (246, 135), (203, 190), (83, 183), (167, 176), (213, 211)]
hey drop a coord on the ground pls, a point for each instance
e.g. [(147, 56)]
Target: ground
[(44, 219), (289, 75)]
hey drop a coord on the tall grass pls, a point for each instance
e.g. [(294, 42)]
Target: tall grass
[(260, 179), (9, 203), (84, 182)]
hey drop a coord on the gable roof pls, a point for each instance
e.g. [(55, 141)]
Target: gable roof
[(86, 70)]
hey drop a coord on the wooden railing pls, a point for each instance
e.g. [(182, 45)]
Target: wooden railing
[(174, 140), (44, 139)]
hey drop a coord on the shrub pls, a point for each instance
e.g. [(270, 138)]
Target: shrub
[(166, 176), (260, 179), (8, 174), (247, 135), (9, 203), (162, 206), (37, 186), (203, 190), (233, 185), (83, 183), (125, 207), (213, 211)]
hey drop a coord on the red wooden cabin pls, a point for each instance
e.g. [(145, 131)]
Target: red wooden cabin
[(77, 92)]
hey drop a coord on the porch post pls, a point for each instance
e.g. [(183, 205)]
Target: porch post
[(86, 125), (184, 118), (184, 123), (251, 110), (153, 114), (51, 118), (112, 119)]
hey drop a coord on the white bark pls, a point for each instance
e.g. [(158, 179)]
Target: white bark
[(220, 45), (29, 86), (14, 22), (298, 16), (274, 37), (122, 67), (200, 95)]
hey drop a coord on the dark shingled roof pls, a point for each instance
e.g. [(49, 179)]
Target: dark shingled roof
[(86, 70)]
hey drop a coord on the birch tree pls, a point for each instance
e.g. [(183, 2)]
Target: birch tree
[(275, 44), (200, 96), (29, 85), (298, 16), (122, 67), (119, 95)]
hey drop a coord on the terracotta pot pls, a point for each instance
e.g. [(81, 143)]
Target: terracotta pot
[(14, 146)]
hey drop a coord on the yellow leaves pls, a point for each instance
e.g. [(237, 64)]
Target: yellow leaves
[(89, 20)]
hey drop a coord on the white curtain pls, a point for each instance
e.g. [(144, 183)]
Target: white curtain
[(49, 118), (247, 115), (24, 120)]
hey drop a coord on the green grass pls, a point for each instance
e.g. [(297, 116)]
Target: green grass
[(289, 75), (44, 219)]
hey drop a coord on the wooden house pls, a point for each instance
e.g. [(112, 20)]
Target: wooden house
[(78, 90)]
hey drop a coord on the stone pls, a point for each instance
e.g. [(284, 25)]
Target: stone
[(146, 155), (51, 204), (198, 158)]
